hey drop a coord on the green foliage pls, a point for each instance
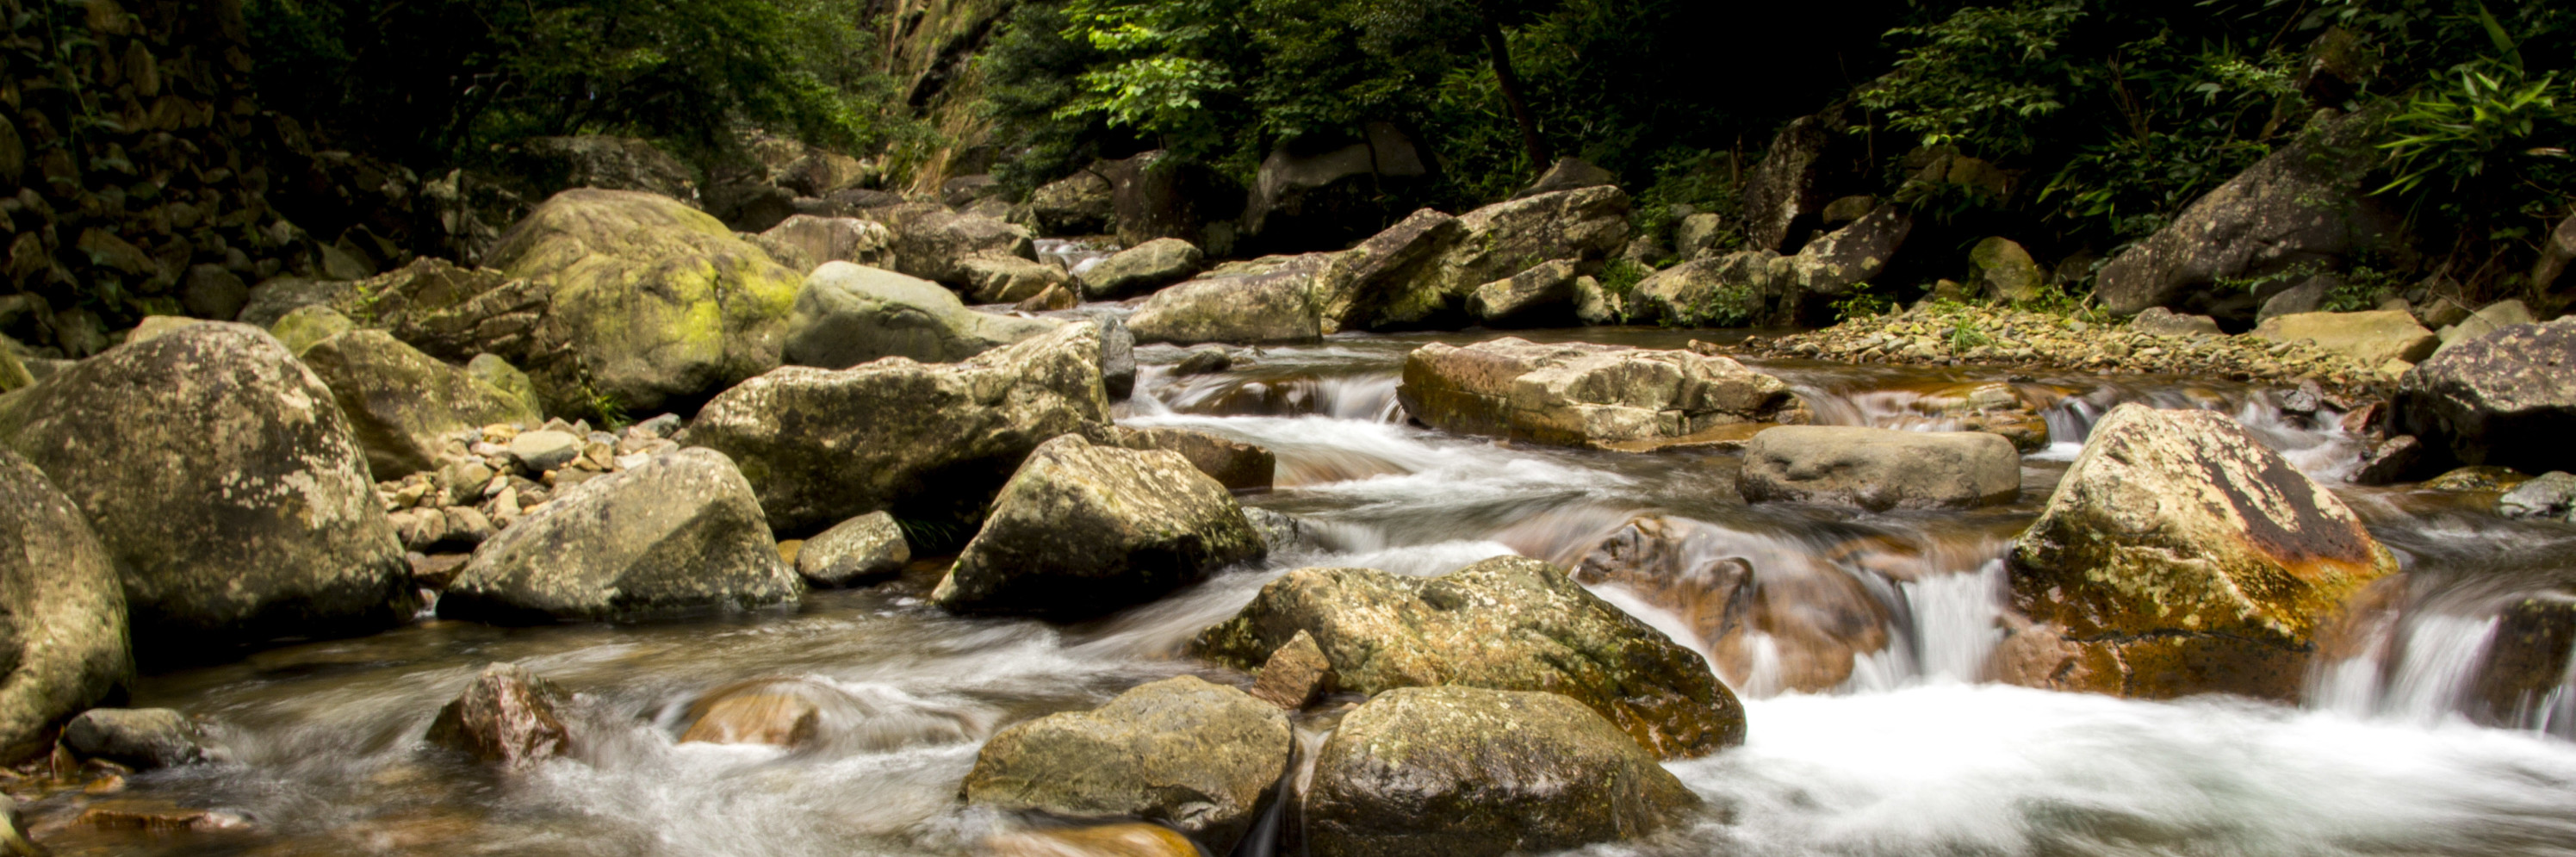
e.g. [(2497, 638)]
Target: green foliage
[(604, 407), (2484, 127), (1863, 302), (1981, 77)]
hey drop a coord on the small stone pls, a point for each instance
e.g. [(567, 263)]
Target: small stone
[(1295, 675), (661, 426), (780, 712), (541, 451), (506, 715), (864, 549)]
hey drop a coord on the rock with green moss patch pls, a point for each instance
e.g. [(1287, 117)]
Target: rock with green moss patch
[(1082, 530), (1462, 772), (307, 325), (1508, 623), (2004, 271), (2188, 556), (402, 404)]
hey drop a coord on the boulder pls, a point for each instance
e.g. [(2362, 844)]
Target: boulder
[(553, 164), (2004, 271), (1782, 193), (500, 375), (1392, 280), (543, 450), (1800, 622), (1236, 465), (2179, 556), (2308, 296), (2477, 478), (934, 243), (849, 314), (1141, 269), (1117, 356), (62, 613), (625, 298), (1581, 394), (1157, 196), (1010, 279), (2507, 399), (213, 292), (1507, 238), (1847, 209), (1507, 623), (1055, 297), (1836, 261), (2489, 319), (924, 441), (1295, 674), (230, 494), (1461, 772), (1271, 299), (2371, 339), (819, 173), (860, 550), (1305, 198), (1568, 174), (680, 531), (155, 325), (1082, 530), (1698, 234), (2526, 661), (2164, 322), (1538, 297), (1200, 757), (307, 325), (2549, 496), (805, 242), (143, 739), (403, 405), (506, 715), (1879, 469), (1080, 204), (2302, 206), (1718, 291)]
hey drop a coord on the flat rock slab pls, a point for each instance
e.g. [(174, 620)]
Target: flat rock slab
[(1880, 469)]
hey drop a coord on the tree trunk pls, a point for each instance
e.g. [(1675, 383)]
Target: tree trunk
[(1510, 83)]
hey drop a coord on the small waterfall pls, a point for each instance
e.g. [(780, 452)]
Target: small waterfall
[(2437, 659), (1954, 621)]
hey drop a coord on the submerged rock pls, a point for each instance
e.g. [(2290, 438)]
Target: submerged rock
[(1107, 840), (1580, 394), (1083, 530), (848, 314), (402, 404), (141, 738), (63, 640), (229, 492), (860, 550), (780, 712), (507, 715), (1880, 469), (1202, 758), (1507, 623), (2506, 399), (2178, 556), (821, 446), (680, 531), (1443, 771)]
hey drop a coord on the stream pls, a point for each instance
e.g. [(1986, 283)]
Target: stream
[(1871, 729)]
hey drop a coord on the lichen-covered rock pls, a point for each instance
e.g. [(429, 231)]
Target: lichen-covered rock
[(628, 297), (2370, 338), (1271, 299), (227, 488), (680, 531), (1197, 756), (1082, 530), (923, 440), (868, 547), (2507, 398), (1879, 469), (2189, 558), (402, 404), (1079, 204), (1460, 772), (1508, 623), (849, 314), (1236, 465), (1142, 268), (62, 612), (1581, 394), (934, 243), (2304, 205), (506, 715), (307, 325)]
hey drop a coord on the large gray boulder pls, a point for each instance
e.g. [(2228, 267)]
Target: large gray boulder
[(2181, 556), (1465, 772), (403, 404), (1142, 268), (1271, 299), (1082, 530), (1503, 239), (934, 243), (1200, 757), (227, 488), (62, 613), (1879, 469), (1391, 280), (605, 296), (1537, 297), (2506, 398), (1079, 204), (924, 440), (1508, 623), (2302, 206), (1582, 394), (849, 314), (680, 531)]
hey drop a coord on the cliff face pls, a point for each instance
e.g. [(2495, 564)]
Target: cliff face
[(931, 46)]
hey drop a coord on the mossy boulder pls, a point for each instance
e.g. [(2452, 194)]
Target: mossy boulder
[(1465, 772), (1200, 757), (403, 404), (2182, 556), (62, 612), (1081, 530), (1508, 623), (229, 491)]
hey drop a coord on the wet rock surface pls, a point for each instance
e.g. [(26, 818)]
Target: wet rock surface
[(143, 739), (1580, 394), (2504, 399), (1463, 771), (1084, 529), (1202, 758), (1507, 624), (1879, 469), (508, 716), (860, 550)]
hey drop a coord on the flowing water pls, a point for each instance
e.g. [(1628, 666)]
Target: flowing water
[(1871, 732)]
